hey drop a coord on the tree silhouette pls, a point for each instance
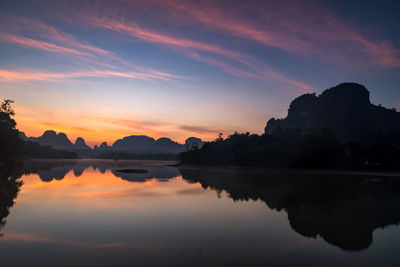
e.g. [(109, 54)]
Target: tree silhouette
[(10, 142)]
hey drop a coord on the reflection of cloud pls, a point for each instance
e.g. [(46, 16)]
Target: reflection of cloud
[(40, 238), (191, 191), (133, 192)]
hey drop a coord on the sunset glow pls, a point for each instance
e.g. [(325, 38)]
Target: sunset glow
[(103, 70)]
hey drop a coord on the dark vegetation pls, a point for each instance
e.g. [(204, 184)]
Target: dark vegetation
[(291, 148), (140, 171), (34, 150), (136, 155), (339, 129), (12, 147), (10, 143)]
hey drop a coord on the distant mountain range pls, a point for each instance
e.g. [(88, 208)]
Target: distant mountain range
[(133, 143), (345, 109)]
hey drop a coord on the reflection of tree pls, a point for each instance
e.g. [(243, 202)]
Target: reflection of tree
[(9, 188), (344, 210)]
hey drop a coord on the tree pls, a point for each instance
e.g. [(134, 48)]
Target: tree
[(10, 143)]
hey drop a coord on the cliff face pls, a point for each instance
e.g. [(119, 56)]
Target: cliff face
[(345, 109)]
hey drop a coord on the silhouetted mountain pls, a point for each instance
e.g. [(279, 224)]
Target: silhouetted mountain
[(167, 145), (135, 144), (58, 141), (193, 143), (338, 129), (80, 144), (142, 143), (343, 209), (345, 109), (103, 147), (23, 136)]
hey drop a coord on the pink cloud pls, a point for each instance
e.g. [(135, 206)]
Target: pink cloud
[(60, 42), (255, 68), (20, 40), (29, 75), (297, 28)]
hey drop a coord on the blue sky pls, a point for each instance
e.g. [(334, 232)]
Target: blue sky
[(103, 70)]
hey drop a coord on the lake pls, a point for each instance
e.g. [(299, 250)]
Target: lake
[(143, 213)]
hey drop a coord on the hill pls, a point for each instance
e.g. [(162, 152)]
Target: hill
[(338, 129), (345, 109), (124, 147)]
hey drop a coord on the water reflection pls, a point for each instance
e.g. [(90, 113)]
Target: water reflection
[(58, 169), (9, 188), (343, 209), (106, 208)]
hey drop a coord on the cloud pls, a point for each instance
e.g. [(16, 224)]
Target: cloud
[(31, 75), (63, 43), (28, 42), (299, 28), (199, 129), (196, 49)]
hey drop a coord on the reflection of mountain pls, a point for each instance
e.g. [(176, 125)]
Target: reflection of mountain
[(48, 170), (9, 188), (343, 210), (57, 169)]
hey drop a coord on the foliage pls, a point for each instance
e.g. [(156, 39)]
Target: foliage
[(137, 156), (293, 148), (35, 150), (10, 142)]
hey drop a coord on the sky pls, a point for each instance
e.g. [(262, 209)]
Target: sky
[(103, 70)]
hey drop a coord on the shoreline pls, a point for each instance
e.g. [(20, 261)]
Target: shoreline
[(256, 169)]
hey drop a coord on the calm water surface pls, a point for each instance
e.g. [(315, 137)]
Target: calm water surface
[(90, 213)]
